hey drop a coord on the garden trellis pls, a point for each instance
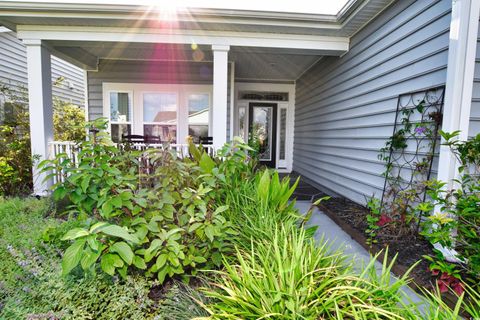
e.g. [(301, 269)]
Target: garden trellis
[(409, 154)]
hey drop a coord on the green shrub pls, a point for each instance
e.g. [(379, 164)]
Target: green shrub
[(68, 121), (457, 226), (148, 210), (15, 153), (15, 156)]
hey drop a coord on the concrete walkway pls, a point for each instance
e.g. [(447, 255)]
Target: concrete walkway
[(339, 239)]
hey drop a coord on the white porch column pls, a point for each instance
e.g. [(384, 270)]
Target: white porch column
[(220, 85), (458, 91), (460, 71), (40, 107)]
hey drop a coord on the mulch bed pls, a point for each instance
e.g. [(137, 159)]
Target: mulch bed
[(351, 217)]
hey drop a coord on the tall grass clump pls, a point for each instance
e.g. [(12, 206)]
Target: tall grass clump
[(260, 206), (280, 272), (293, 277)]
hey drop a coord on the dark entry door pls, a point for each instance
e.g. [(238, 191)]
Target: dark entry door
[(263, 131)]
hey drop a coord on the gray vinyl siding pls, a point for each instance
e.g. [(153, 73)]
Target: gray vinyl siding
[(147, 72), (474, 127), (13, 70), (345, 106)]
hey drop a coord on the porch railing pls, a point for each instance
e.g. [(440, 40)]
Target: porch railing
[(70, 148)]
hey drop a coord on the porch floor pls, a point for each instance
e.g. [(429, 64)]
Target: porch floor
[(304, 190)]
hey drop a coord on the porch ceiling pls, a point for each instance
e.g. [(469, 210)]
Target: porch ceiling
[(250, 63)]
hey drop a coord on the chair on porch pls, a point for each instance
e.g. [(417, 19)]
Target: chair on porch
[(206, 140), (133, 138), (152, 140)]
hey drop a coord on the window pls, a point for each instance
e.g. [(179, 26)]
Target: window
[(242, 127), (260, 95), (283, 133), (160, 116), (198, 115), (120, 115)]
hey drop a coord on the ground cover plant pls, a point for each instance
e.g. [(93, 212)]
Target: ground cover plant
[(30, 272)]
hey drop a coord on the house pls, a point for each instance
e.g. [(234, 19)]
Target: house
[(320, 91), (13, 70)]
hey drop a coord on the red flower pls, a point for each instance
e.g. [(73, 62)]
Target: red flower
[(458, 288), (442, 286), (384, 219), (446, 276), (435, 272)]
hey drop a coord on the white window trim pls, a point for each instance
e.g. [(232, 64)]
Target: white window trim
[(138, 89), (139, 110), (210, 104), (106, 107)]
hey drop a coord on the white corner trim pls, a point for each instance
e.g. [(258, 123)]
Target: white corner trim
[(459, 83), (458, 92)]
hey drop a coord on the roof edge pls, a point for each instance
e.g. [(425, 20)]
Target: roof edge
[(346, 10)]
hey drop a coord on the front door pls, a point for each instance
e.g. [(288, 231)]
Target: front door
[(263, 131)]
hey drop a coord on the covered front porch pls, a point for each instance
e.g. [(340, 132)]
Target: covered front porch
[(166, 80)]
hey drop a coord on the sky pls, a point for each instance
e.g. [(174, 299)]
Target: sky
[(300, 6)]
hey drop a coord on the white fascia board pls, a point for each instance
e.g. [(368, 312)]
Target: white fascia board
[(246, 39), (142, 12), (248, 21)]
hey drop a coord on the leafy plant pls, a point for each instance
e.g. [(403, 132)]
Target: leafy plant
[(447, 274), (373, 220), (457, 225), (15, 157), (16, 160), (29, 273), (149, 211), (68, 121)]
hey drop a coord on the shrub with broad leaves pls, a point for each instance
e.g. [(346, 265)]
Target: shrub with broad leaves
[(147, 210)]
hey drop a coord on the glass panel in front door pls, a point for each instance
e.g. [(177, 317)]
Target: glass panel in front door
[(262, 131)]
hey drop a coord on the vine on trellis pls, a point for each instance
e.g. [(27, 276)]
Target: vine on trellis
[(409, 155)]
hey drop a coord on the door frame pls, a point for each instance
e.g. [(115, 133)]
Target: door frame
[(273, 130), (285, 164)]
